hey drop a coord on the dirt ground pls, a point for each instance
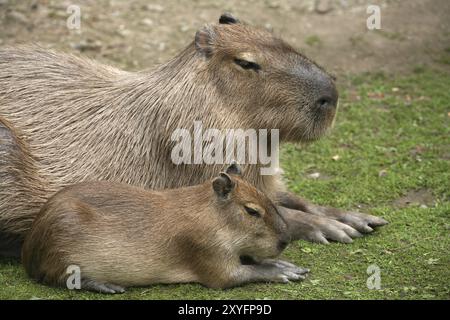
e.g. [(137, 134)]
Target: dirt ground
[(137, 34)]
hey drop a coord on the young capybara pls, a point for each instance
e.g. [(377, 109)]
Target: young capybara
[(65, 120), (119, 236)]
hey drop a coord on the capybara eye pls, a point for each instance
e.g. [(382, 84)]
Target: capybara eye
[(247, 65), (252, 212)]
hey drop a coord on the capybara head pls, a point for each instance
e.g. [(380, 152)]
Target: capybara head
[(256, 226), (279, 87)]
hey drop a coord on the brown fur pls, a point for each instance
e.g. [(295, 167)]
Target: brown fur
[(65, 119), (126, 236), (74, 119)]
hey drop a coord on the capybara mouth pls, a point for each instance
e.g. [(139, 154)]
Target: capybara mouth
[(247, 259), (323, 121), (282, 245), (313, 133)]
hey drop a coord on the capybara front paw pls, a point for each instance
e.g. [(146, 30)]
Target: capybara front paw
[(93, 285), (283, 271), (361, 221), (322, 229)]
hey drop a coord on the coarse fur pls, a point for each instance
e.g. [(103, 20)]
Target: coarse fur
[(119, 236), (65, 119)]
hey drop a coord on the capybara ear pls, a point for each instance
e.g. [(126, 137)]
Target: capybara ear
[(228, 18), (204, 40), (223, 185), (234, 168)]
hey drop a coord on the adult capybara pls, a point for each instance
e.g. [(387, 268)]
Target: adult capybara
[(65, 119)]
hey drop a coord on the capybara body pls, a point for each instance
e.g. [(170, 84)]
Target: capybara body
[(119, 236), (65, 119)]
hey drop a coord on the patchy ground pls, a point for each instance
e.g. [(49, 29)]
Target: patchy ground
[(137, 34), (389, 153)]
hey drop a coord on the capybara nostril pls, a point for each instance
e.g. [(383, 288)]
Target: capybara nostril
[(326, 102), (328, 94)]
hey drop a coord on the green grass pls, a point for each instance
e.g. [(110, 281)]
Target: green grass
[(404, 132)]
